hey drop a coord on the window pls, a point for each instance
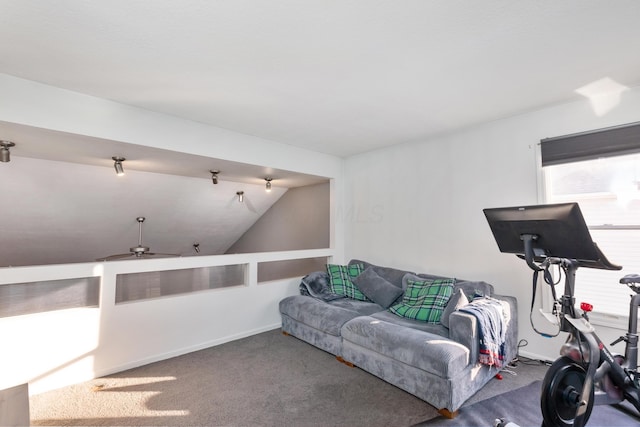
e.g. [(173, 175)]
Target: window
[(607, 187), (154, 284), (274, 270), (17, 299)]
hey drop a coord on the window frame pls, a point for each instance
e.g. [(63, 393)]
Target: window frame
[(603, 318)]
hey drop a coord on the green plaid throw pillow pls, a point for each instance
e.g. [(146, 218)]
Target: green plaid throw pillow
[(340, 280), (424, 300)]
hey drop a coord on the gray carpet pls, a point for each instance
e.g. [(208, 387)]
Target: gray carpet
[(265, 380), (522, 407)]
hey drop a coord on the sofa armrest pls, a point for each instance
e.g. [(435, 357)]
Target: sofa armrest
[(463, 328)]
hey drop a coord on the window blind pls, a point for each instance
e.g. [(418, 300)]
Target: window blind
[(606, 142)]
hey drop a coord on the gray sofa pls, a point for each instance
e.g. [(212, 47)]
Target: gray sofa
[(437, 362)]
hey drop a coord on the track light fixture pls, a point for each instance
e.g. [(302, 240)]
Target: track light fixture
[(5, 154), (214, 176), (240, 196), (118, 165), (268, 185)]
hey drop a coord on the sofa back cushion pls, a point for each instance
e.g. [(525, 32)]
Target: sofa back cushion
[(377, 288), (474, 289), (391, 275)]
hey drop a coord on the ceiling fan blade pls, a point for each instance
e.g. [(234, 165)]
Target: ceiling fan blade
[(138, 251), (112, 257), (161, 254)]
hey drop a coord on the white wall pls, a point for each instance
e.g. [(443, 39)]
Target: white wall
[(419, 206), (58, 348)]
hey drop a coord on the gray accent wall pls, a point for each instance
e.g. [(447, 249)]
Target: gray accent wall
[(298, 220)]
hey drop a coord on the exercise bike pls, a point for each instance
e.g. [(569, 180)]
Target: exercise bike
[(587, 373)]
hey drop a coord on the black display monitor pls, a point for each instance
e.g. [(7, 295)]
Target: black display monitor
[(557, 230)]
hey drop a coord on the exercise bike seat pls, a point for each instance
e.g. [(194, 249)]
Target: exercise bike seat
[(630, 278)]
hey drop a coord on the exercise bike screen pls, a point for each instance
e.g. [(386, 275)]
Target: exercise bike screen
[(560, 231)]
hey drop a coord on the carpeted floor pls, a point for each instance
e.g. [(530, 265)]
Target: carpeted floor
[(265, 380)]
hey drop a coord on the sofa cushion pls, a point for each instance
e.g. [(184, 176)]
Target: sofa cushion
[(392, 275), (433, 328), (424, 300), (423, 276), (472, 289), (420, 278), (376, 288), (457, 300), (317, 314), (475, 289), (340, 280), (429, 352), (364, 308)]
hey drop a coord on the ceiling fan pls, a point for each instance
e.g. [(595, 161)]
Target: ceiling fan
[(139, 251)]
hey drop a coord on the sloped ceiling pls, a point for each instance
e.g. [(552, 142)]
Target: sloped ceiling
[(63, 203), (334, 76), (58, 212)]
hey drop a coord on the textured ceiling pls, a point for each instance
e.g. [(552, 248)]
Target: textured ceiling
[(340, 77)]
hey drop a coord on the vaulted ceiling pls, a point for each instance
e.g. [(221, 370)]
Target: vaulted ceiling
[(63, 203), (58, 212)]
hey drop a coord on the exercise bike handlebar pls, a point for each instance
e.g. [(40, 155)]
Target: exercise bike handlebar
[(601, 263), (630, 278)]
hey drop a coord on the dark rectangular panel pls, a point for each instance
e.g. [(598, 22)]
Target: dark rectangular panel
[(607, 142)]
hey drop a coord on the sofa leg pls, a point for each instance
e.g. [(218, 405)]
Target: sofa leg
[(285, 333), (447, 413), (341, 360)]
